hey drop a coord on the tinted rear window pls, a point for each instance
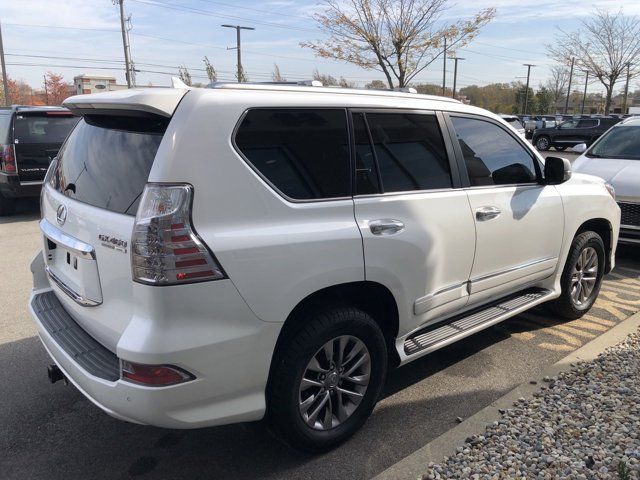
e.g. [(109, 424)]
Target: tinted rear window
[(42, 127), (5, 124), (106, 161), (304, 153)]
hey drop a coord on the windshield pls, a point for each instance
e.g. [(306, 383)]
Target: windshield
[(514, 122), (620, 142)]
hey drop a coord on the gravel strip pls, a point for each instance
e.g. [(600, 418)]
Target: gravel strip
[(583, 424)]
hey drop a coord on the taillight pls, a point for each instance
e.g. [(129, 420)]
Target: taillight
[(8, 163), (153, 375), (165, 248)]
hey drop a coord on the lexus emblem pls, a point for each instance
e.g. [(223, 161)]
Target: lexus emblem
[(61, 214)]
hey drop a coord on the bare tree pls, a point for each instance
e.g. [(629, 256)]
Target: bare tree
[(400, 38), (604, 46), (211, 71), (276, 76), (376, 85), (242, 78), (327, 80), (557, 83), (184, 74)]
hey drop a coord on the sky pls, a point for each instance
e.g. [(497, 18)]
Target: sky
[(72, 37)]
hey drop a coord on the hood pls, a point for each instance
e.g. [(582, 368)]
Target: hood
[(624, 175)]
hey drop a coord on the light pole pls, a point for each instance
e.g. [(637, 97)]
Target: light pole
[(566, 102), (626, 90), (7, 100), (125, 43), (444, 66), (455, 75), (584, 95), (240, 73), (526, 92)]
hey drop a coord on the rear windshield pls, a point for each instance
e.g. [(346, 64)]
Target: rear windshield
[(5, 123), (43, 127), (106, 161)]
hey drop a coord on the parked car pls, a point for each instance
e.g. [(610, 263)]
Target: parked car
[(538, 122), (515, 122), (572, 132), (216, 255), (30, 137), (615, 156)]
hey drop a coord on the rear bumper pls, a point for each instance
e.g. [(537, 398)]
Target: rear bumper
[(10, 186), (231, 371)]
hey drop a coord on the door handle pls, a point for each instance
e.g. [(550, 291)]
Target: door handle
[(386, 226), (487, 213)]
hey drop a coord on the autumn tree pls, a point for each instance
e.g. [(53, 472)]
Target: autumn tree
[(211, 71), (376, 85), (184, 75), (431, 89), (399, 38), (605, 45), (20, 93), (326, 80), (276, 76), (57, 90)]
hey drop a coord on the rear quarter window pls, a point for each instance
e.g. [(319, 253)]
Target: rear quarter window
[(106, 161), (303, 153)]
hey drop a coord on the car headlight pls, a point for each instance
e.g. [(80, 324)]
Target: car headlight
[(610, 189)]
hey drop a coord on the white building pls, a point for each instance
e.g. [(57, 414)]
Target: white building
[(90, 83)]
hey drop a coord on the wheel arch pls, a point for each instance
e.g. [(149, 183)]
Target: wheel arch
[(602, 227)]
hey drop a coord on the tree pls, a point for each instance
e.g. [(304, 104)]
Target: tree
[(344, 83), (276, 76), (20, 93), (211, 72), (242, 77), (431, 89), (399, 38), (56, 89), (184, 74), (376, 85), (327, 80), (544, 99), (557, 83), (604, 46)]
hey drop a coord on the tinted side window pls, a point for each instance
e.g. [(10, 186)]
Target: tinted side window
[(492, 156), (410, 151), (304, 153), (587, 123)]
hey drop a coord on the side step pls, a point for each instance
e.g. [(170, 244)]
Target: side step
[(449, 331)]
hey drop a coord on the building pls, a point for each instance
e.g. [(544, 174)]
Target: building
[(90, 83)]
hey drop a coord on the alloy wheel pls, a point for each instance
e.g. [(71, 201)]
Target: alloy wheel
[(334, 382), (542, 143), (584, 276)]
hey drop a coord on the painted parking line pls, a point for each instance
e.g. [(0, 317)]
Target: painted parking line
[(619, 299)]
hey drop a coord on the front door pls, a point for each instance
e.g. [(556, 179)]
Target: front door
[(519, 221), (417, 229)]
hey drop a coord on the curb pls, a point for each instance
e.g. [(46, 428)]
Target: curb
[(414, 465)]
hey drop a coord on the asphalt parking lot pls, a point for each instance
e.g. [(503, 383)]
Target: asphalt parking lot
[(53, 432)]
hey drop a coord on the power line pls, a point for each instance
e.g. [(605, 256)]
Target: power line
[(255, 9)]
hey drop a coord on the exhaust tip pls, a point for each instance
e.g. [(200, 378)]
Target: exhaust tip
[(54, 373)]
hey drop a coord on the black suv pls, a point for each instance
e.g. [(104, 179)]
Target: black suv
[(29, 139), (572, 132)]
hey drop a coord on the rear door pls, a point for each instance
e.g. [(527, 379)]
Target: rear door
[(37, 137), (587, 130), (416, 225)]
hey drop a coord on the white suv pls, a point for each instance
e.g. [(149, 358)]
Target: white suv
[(219, 255)]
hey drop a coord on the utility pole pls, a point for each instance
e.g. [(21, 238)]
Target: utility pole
[(444, 67), (566, 102), (626, 90), (526, 92), (240, 73), (584, 95), (5, 83), (125, 42), (455, 75), (46, 93)]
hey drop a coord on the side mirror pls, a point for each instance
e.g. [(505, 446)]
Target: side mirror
[(580, 148), (556, 170)]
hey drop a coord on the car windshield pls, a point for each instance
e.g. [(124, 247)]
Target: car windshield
[(620, 142), (514, 121)]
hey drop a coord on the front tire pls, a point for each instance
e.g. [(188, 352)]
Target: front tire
[(543, 143), (582, 276), (326, 379)]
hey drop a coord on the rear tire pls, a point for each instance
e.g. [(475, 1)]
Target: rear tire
[(352, 337), (543, 143), (7, 206), (582, 276)]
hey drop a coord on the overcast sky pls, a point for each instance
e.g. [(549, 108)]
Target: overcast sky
[(83, 36)]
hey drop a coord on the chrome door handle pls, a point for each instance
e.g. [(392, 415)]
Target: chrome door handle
[(487, 213), (386, 226)]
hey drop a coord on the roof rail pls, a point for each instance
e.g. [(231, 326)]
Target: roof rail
[(301, 83)]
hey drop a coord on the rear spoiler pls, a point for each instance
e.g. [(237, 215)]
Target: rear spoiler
[(153, 101)]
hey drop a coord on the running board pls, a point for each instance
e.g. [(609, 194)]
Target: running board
[(439, 335)]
